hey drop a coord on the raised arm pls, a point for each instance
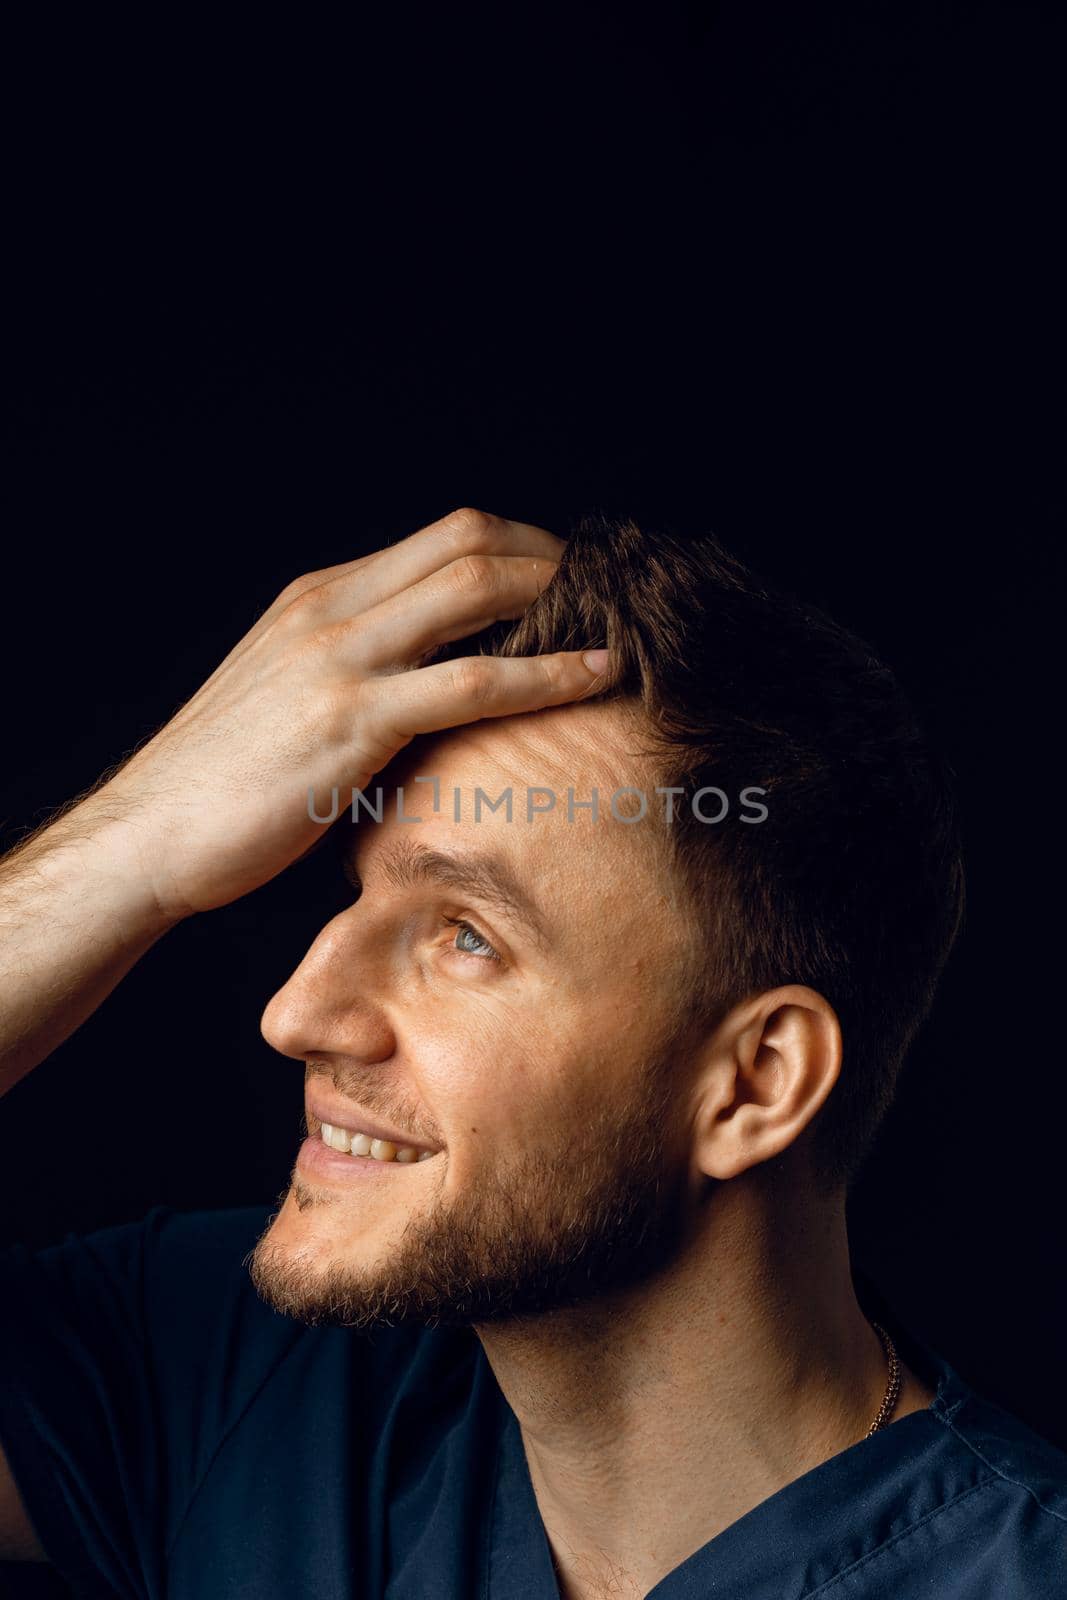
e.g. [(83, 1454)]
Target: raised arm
[(317, 694), (216, 803)]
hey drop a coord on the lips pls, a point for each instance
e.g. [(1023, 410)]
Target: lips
[(320, 1109)]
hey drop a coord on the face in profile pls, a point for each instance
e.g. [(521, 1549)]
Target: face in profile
[(509, 997)]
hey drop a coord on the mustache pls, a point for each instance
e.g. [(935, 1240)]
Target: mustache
[(365, 1095)]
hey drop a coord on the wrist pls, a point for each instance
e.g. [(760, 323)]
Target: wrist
[(95, 859)]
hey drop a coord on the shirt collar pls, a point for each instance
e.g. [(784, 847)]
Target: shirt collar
[(822, 1523)]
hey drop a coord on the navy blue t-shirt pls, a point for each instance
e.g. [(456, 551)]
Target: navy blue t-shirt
[(173, 1437)]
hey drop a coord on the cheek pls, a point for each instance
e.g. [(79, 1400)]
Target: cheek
[(490, 1060)]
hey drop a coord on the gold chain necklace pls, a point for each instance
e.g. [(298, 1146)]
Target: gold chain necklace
[(892, 1392), (885, 1410)]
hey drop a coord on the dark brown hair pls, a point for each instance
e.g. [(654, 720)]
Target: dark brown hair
[(854, 882)]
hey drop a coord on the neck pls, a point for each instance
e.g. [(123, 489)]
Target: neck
[(653, 1419)]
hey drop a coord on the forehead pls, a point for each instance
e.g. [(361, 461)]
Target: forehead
[(552, 761)]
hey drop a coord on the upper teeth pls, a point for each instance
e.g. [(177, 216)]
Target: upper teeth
[(361, 1144)]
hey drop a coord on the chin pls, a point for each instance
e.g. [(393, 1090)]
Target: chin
[(291, 1263)]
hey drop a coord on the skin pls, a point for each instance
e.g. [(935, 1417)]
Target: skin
[(620, 1207), (317, 693), (325, 689)]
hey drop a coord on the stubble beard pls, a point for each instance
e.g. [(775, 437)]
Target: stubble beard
[(600, 1210)]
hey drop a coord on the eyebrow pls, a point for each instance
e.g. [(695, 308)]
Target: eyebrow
[(486, 876)]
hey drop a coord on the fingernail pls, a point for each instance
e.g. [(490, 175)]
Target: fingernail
[(595, 660)]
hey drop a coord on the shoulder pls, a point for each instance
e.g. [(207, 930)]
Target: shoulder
[(209, 1238), (208, 1332), (165, 1298), (193, 1250), (167, 1258), (177, 1286), (142, 1368), (162, 1277), (1026, 1467)]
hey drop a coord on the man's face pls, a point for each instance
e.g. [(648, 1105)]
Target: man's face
[(542, 1064)]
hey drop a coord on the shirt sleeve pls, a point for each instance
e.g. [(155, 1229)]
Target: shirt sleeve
[(118, 1378)]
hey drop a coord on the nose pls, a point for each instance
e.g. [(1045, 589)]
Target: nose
[(324, 1008)]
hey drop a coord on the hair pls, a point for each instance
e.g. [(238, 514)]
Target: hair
[(853, 884)]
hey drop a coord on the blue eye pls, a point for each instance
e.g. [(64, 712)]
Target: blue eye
[(485, 953)]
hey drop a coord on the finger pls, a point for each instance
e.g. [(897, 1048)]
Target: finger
[(462, 533), (460, 599), (451, 693), (355, 586)]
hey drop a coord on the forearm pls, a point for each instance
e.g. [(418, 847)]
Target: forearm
[(215, 804), (75, 915)]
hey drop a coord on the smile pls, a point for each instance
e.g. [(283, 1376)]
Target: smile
[(361, 1145)]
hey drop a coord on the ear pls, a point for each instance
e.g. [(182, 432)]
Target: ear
[(771, 1063)]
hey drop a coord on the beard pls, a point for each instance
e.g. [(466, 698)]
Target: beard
[(600, 1210)]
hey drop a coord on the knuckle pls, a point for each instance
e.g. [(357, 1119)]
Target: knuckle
[(306, 601), (556, 671), (323, 642), (468, 530), (372, 713), (471, 574), (294, 590), (472, 679)]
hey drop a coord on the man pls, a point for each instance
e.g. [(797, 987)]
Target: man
[(558, 1300)]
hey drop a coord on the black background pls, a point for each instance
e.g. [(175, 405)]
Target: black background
[(789, 274)]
